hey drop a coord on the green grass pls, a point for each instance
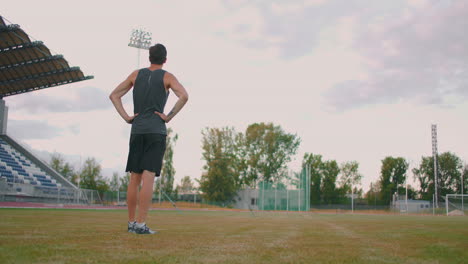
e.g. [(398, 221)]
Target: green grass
[(99, 236)]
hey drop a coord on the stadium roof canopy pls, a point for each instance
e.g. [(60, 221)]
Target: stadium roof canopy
[(27, 65)]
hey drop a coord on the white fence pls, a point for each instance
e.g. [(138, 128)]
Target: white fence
[(31, 193)]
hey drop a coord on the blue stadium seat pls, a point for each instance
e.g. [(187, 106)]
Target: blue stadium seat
[(14, 163)]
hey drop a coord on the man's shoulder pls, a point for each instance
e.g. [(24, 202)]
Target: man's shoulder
[(168, 75), (134, 74)]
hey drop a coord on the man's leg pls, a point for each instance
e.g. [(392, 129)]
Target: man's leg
[(132, 194), (146, 194)]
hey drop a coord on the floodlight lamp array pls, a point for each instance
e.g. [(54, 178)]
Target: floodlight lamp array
[(140, 39)]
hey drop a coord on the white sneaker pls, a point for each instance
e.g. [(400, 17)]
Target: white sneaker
[(131, 227), (144, 230)]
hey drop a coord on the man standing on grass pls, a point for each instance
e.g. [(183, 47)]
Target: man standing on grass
[(148, 134)]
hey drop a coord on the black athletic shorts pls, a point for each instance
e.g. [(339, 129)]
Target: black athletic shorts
[(146, 153)]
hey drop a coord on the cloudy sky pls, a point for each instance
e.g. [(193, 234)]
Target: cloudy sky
[(355, 79)]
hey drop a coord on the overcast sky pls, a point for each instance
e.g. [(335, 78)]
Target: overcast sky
[(355, 79)]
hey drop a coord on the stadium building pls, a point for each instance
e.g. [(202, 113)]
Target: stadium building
[(27, 66)]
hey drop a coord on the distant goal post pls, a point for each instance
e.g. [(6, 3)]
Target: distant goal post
[(455, 204)]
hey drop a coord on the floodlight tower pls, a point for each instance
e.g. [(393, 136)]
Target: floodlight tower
[(434, 155), (140, 39), (462, 190), (406, 187)]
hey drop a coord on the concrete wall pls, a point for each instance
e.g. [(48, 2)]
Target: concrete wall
[(3, 117), (414, 206), (244, 199)]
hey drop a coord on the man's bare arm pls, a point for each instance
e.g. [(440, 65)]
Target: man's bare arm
[(119, 92), (180, 92)]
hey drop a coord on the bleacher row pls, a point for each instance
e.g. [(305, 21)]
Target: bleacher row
[(16, 168)]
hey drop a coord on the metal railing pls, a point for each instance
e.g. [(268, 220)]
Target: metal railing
[(32, 193)]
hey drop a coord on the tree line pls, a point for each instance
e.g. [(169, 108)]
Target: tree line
[(394, 171), (236, 160)]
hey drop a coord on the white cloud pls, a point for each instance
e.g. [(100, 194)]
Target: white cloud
[(83, 99), (32, 129), (417, 57)]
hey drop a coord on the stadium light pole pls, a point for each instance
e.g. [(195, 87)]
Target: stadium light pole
[(118, 191), (299, 194), (406, 187), (462, 190), (140, 39), (308, 187), (434, 154)]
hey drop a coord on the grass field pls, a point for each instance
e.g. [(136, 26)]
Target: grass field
[(99, 236)]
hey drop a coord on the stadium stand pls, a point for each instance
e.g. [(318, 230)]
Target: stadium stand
[(16, 167), (27, 66), (26, 178)]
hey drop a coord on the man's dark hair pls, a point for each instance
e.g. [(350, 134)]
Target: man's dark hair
[(157, 54)]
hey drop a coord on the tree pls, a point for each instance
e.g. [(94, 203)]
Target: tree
[(412, 193), (58, 163), (124, 181), (186, 185), (350, 178), (424, 174), (91, 178), (268, 150), (465, 181), (350, 175), (328, 189), (168, 171), (392, 175), (220, 181), (449, 171), (373, 193), (240, 162), (114, 183), (316, 166)]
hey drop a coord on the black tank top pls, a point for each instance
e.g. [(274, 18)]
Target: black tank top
[(149, 95)]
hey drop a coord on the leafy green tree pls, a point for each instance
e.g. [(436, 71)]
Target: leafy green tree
[(350, 175), (465, 181), (268, 150), (168, 170), (316, 165), (58, 163), (186, 185), (392, 175), (240, 162), (114, 183), (328, 189), (350, 179), (124, 181), (449, 171), (412, 193), (91, 178), (424, 174), (373, 194), (220, 181)]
